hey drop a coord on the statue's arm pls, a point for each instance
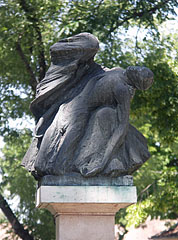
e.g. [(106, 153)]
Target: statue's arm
[(122, 98)]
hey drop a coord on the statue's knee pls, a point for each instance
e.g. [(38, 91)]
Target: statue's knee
[(105, 113)]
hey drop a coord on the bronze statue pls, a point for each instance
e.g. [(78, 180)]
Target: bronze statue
[(82, 115)]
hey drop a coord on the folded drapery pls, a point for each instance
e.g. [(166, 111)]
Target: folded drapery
[(82, 115)]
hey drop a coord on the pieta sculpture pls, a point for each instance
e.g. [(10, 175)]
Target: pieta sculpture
[(82, 115)]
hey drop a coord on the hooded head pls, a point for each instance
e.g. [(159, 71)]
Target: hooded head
[(70, 62), (139, 77), (81, 47)]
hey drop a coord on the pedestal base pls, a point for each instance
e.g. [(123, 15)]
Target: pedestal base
[(85, 212), (85, 227)]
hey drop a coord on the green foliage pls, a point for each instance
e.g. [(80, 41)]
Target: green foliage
[(26, 32), (20, 183), (163, 97), (29, 28), (2, 218), (161, 203), (104, 17), (155, 113)]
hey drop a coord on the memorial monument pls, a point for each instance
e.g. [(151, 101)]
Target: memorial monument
[(84, 148)]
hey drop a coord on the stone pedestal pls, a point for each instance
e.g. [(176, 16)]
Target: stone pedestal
[(85, 212), (85, 227)]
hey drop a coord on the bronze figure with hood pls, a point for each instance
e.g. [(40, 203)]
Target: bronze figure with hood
[(82, 115)]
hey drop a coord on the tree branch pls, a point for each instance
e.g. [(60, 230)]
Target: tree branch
[(17, 227), (41, 56), (31, 16), (33, 81), (135, 15)]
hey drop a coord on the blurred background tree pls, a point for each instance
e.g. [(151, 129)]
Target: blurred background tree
[(130, 33)]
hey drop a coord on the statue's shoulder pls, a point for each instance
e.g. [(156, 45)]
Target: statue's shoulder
[(114, 71), (115, 75)]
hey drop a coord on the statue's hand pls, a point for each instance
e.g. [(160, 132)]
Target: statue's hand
[(90, 171)]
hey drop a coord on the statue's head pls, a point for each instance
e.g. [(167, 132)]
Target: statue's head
[(81, 47), (139, 77)]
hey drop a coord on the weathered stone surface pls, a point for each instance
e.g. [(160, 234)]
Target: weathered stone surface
[(82, 115), (74, 179), (101, 199), (95, 227)]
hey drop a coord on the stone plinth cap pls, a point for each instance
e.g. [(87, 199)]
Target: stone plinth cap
[(85, 199)]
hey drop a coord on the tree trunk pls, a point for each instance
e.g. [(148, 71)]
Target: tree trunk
[(17, 227)]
